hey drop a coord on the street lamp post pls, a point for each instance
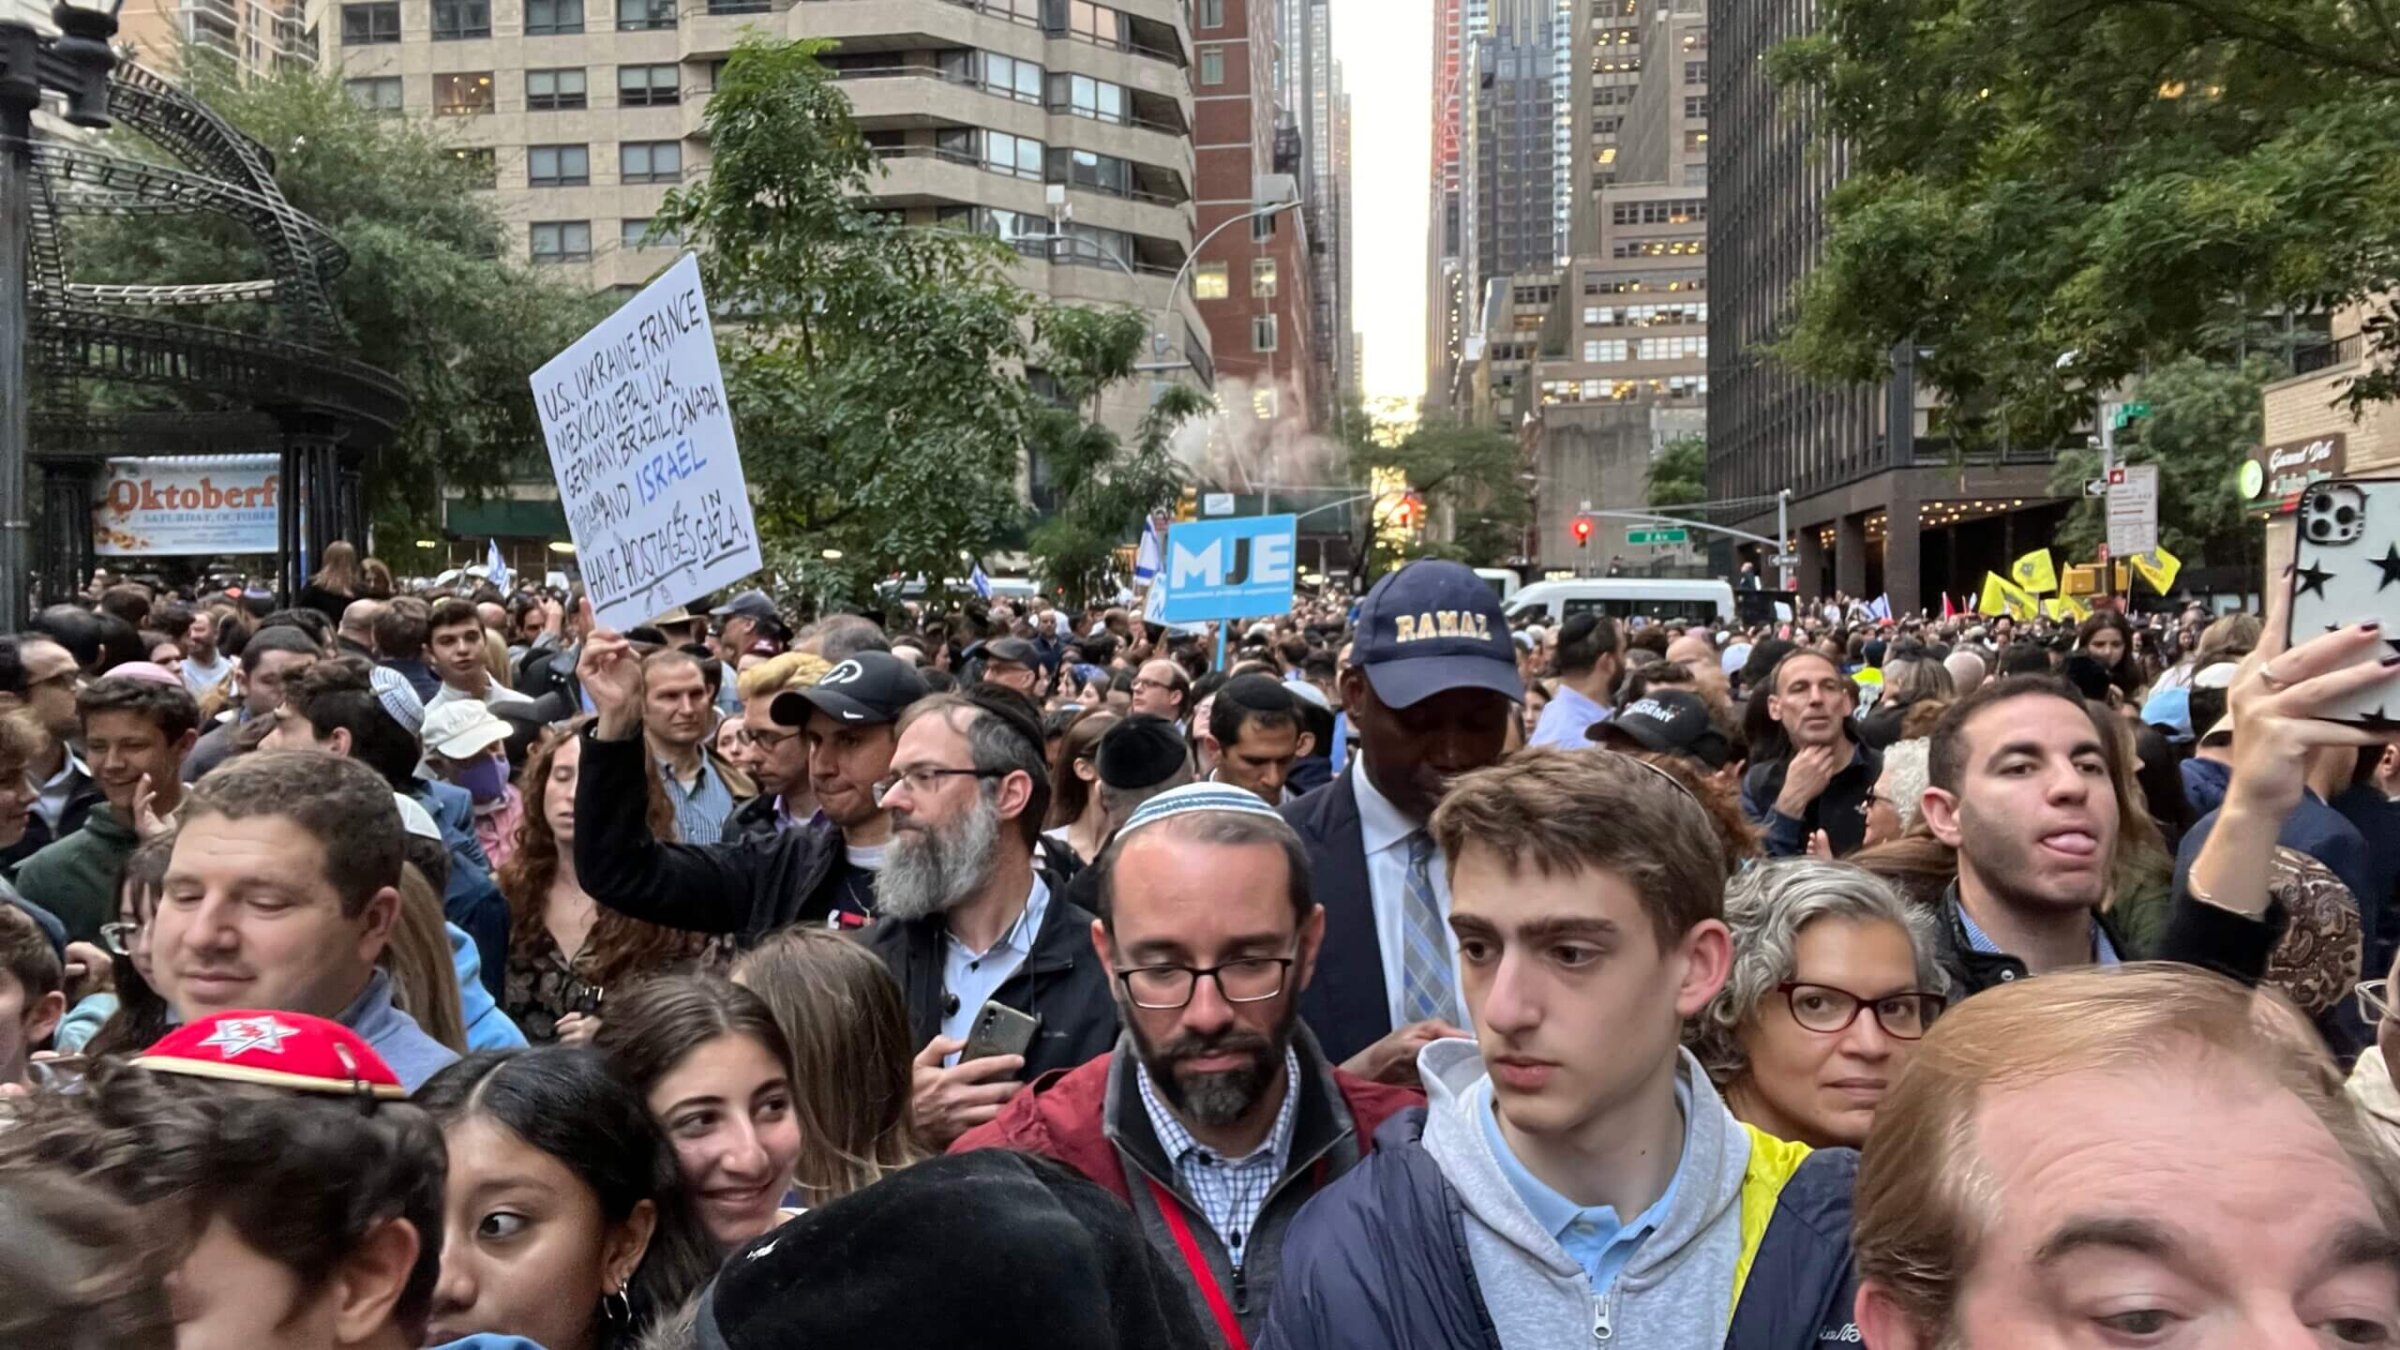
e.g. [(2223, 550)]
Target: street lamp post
[(74, 63), (1158, 337)]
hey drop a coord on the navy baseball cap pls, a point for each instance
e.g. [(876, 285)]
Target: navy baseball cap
[(1434, 626), (1666, 720)]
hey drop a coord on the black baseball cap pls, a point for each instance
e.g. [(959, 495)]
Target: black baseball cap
[(750, 604), (870, 688), (1669, 721), (1434, 626)]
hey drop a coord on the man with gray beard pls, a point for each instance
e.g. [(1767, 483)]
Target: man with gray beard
[(1218, 1116), (966, 919)]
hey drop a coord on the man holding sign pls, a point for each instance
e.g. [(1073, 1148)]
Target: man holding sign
[(642, 447)]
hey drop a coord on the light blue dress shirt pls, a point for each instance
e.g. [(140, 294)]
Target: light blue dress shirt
[(1593, 1235), (973, 977), (1565, 720), (2104, 952)]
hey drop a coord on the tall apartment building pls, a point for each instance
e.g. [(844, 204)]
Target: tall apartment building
[(1446, 302), (1876, 506), (257, 36), (1306, 84), (582, 114), (1252, 280)]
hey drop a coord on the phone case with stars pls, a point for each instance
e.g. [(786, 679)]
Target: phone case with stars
[(2346, 570)]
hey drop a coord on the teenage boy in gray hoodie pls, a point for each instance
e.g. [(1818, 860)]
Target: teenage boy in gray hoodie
[(1575, 1180)]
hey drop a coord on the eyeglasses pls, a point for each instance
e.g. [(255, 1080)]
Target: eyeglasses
[(118, 937), (767, 740), (924, 779), (1828, 1011), (1867, 806), (1251, 979), (2375, 1000), (1154, 684)]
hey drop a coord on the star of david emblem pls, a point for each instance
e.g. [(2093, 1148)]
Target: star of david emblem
[(238, 1036)]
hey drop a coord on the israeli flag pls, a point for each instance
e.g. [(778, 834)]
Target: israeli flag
[(1880, 607), (1147, 559), (981, 583), (495, 570)]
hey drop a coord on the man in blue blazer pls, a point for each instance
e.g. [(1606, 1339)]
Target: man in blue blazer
[(1429, 691)]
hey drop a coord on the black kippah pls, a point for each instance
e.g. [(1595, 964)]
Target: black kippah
[(1139, 752)]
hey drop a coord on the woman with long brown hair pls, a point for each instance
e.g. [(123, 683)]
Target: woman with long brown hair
[(336, 583), (1076, 818), (565, 950), (847, 1030)]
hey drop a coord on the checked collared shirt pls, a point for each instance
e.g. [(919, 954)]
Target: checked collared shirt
[(1229, 1191)]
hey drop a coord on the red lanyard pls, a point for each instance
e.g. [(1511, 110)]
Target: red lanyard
[(1196, 1261)]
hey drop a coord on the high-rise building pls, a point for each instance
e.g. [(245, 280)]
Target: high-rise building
[(1877, 505), (1252, 280), (1446, 301), (257, 36), (1064, 127), (1307, 84)]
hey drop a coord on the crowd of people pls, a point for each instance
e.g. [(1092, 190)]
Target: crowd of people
[(415, 966)]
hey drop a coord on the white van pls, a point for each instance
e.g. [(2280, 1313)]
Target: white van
[(1503, 581), (1709, 602)]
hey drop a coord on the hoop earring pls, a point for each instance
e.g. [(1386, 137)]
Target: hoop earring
[(617, 1309)]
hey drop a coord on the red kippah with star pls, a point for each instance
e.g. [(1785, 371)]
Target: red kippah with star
[(292, 1051)]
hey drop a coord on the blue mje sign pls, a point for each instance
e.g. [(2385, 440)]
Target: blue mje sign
[(1230, 569)]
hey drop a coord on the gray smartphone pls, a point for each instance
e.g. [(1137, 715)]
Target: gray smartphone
[(999, 1029), (2346, 570)]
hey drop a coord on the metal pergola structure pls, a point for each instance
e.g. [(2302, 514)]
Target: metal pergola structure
[(273, 384)]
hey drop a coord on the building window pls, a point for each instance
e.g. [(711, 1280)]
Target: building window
[(1262, 227), (1671, 349), (482, 166), (635, 16), (997, 151), (1660, 248), (558, 241), (457, 20), (549, 18), (558, 166), (380, 93), (554, 90), (1003, 75), (1095, 23), (637, 234), (1262, 332), (1695, 72), (1695, 107), (1599, 350), (1659, 213), (1210, 281), (650, 162), (648, 86), (1084, 168), (1262, 278), (1695, 140), (1212, 66), (1086, 97), (370, 24), (1212, 13), (739, 6), (463, 95)]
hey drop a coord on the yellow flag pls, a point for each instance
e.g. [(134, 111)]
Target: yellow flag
[(2034, 572), (2065, 607), (2002, 596), (2158, 568)]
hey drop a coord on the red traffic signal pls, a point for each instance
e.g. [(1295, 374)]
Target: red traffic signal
[(1583, 531)]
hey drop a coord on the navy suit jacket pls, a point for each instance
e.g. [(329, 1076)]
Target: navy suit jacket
[(1346, 1005)]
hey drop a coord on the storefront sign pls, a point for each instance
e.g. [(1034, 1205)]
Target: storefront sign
[(2275, 475), (187, 506)]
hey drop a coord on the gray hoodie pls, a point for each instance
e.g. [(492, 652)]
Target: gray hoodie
[(1677, 1291)]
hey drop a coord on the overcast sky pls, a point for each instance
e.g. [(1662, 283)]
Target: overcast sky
[(1386, 51)]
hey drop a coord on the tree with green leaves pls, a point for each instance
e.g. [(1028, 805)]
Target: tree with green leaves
[(872, 380), (1679, 473), (427, 296), (2116, 182), (1104, 488), (1472, 472), (2204, 421)]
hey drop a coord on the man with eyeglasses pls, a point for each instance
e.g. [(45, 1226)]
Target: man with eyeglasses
[(814, 873), (65, 791), (1161, 689), (967, 918), (1217, 1117)]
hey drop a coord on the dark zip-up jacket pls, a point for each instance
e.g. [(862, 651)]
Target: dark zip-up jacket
[(1062, 980), (748, 889), (1092, 1119), (1840, 810)]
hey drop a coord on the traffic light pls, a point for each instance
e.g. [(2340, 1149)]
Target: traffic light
[(1187, 504), (1404, 513), (1583, 531)]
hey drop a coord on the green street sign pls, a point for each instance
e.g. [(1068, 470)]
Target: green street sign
[(1657, 537), (2128, 414)]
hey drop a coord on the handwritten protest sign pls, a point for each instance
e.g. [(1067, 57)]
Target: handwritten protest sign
[(642, 448)]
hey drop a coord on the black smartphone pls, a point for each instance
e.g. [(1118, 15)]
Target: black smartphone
[(1000, 1030), (585, 998)]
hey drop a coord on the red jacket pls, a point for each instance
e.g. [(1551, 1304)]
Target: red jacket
[(1058, 1117)]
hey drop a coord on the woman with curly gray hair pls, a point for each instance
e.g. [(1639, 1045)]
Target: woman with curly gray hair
[(1834, 981)]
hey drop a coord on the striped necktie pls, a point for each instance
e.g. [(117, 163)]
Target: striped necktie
[(1426, 989)]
